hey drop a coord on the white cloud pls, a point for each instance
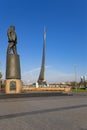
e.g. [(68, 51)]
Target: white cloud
[(51, 75), (55, 76), (32, 75)]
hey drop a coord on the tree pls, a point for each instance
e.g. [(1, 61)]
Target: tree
[(0, 75)]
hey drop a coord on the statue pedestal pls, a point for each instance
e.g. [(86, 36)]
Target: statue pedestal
[(13, 82), (13, 86)]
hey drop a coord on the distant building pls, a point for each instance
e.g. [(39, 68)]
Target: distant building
[(83, 78)]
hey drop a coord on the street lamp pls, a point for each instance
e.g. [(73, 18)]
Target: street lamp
[(0, 76), (75, 70)]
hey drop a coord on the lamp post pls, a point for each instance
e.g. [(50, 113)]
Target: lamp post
[(75, 70), (0, 77)]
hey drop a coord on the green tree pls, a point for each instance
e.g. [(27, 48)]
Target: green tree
[(0, 75)]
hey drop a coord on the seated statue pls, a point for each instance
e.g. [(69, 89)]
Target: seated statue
[(12, 40)]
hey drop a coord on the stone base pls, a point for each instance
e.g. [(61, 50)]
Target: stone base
[(13, 86), (42, 83), (13, 70)]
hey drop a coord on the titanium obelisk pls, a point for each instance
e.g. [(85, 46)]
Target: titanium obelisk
[(41, 80)]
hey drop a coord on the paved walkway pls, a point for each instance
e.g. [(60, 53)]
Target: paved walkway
[(44, 113)]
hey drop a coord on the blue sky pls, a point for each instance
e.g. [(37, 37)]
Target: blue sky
[(66, 43)]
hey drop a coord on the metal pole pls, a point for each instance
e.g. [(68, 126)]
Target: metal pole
[(75, 69), (0, 78)]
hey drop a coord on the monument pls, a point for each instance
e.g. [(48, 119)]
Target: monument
[(41, 82), (13, 82)]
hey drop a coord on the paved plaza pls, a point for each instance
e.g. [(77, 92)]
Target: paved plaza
[(44, 113)]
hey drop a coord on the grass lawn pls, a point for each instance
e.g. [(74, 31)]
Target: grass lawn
[(79, 90)]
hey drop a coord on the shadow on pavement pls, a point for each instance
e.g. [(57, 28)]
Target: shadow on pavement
[(41, 111)]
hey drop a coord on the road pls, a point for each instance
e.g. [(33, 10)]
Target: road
[(44, 113)]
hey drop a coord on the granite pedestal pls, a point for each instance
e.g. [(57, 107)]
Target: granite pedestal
[(13, 82)]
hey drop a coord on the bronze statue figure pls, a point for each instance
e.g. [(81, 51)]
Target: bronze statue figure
[(12, 40)]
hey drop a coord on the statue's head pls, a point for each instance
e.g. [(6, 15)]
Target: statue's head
[(12, 27)]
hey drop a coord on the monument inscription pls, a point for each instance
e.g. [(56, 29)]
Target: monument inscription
[(13, 85)]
